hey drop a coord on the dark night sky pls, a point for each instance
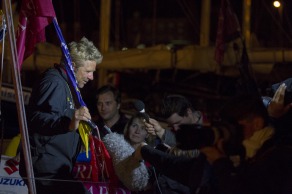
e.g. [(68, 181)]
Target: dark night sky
[(265, 20), (265, 24)]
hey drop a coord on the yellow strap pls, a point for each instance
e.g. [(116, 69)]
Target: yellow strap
[(84, 131)]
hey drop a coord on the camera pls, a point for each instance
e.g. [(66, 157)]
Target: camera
[(193, 136)]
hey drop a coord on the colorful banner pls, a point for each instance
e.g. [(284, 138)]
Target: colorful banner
[(83, 172), (102, 188), (12, 183)]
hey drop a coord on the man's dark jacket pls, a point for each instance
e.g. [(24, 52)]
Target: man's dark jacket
[(54, 147)]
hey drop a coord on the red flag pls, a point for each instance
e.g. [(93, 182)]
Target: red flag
[(34, 16), (100, 158), (228, 29), (228, 32)]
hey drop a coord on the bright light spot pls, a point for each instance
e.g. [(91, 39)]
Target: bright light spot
[(277, 4)]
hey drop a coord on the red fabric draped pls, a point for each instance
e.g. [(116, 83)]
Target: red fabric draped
[(100, 158), (227, 30), (34, 16)]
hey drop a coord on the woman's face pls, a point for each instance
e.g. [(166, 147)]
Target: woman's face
[(137, 131)]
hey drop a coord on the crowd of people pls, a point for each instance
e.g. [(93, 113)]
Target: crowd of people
[(248, 150)]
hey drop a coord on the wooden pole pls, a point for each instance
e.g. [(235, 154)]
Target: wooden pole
[(19, 99), (105, 17), (205, 23), (246, 22)]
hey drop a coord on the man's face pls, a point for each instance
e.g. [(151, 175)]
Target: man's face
[(175, 120), (107, 106), (85, 73)]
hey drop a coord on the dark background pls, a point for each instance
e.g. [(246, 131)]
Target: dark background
[(153, 22)]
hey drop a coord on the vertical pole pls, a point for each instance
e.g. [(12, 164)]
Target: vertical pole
[(246, 22), (282, 27), (19, 99), (105, 17), (205, 23), (117, 23), (154, 22)]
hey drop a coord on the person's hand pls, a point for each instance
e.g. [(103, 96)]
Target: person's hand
[(277, 107), (81, 114), (154, 128)]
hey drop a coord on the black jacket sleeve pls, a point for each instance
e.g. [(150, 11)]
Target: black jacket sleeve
[(187, 171), (51, 107)]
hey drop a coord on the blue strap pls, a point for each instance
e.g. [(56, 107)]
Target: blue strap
[(68, 62)]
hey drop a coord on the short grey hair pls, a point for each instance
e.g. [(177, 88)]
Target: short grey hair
[(84, 50)]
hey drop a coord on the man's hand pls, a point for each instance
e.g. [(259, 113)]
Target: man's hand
[(277, 107), (154, 128), (81, 114)]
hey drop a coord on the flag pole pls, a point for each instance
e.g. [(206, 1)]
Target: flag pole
[(19, 99)]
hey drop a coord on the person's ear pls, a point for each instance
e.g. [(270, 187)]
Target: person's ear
[(74, 66), (119, 105)]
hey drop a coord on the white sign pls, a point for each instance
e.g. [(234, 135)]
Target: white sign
[(10, 180)]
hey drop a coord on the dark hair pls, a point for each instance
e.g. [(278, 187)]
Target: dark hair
[(109, 88), (245, 106), (193, 136), (175, 104)]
